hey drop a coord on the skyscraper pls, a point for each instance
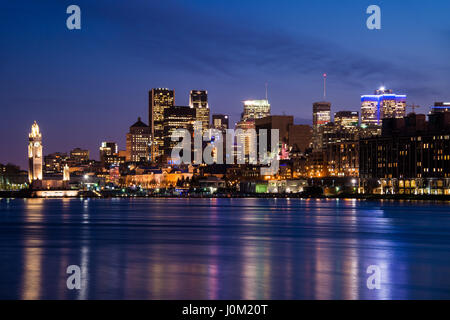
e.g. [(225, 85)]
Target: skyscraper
[(159, 100), (198, 99), (381, 105), (346, 119), (321, 117), (176, 117), (280, 123), (35, 154), (255, 109), (138, 142)]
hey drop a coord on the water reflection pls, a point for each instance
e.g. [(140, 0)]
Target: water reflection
[(223, 249), (32, 250)]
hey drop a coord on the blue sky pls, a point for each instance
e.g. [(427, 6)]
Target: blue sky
[(90, 85)]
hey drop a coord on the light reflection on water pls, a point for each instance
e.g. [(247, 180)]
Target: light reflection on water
[(223, 248)]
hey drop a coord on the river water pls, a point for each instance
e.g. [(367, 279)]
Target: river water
[(224, 248)]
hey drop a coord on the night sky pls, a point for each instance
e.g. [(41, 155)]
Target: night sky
[(87, 86)]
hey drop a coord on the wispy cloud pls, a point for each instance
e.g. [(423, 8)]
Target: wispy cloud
[(189, 41)]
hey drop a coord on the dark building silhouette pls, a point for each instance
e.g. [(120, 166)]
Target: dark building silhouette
[(159, 100), (412, 156), (177, 117)]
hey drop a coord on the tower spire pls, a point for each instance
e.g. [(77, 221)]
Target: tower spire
[(324, 86), (266, 91)]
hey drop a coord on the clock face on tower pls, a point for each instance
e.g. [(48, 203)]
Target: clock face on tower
[(36, 144)]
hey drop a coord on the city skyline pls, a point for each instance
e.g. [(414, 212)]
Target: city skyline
[(310, 122), (88, 86)]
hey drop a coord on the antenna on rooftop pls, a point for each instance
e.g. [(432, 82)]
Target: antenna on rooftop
[(324, 86), (266, 91)]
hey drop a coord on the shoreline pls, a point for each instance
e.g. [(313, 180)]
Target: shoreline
[(26, 194)]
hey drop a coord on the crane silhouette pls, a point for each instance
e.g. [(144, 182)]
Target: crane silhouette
[(414, 107)]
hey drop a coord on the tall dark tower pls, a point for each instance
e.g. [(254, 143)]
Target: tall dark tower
[(159, 100), (198, 99)]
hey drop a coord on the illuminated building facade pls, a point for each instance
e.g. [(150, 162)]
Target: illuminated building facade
[(255, 109), (342, 159), (246, 140), (108, 149), (339, 148), (412, 156), (79, 156), (198, 99), (12, 178), (347, 119), (381, 105), (321, 117), (35, 154), (109, 155), (177, 117), (138, 142), (54, 162), (159, 100), (220, 122), (66, 173), (440, 107)]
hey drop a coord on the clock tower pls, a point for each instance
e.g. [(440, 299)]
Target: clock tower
[(35, 154)]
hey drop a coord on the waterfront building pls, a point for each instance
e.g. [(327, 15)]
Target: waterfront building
[(159, 100), (138, 142), (412, 156), (35, 154), (12, 178), (151, 179), (54, 162), (336, 151), (342, 159), (381, 105)]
